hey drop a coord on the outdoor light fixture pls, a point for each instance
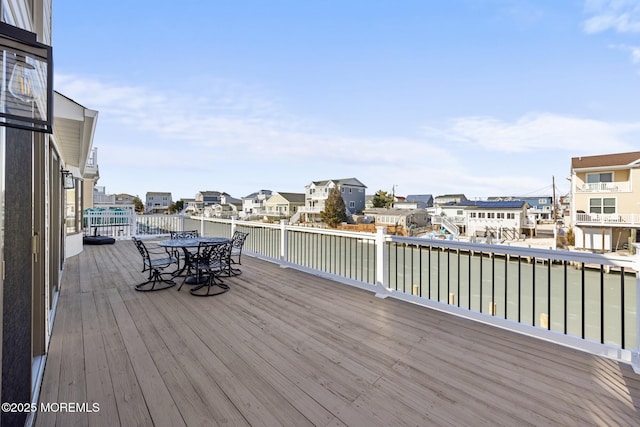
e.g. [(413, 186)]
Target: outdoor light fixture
[(26, 80), (68, 182)]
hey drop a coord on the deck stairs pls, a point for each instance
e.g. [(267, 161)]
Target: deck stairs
[(443, 221)]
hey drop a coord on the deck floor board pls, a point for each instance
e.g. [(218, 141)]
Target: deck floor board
[(284, 347)]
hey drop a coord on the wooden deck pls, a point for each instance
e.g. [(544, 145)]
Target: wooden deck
[(287, 348)]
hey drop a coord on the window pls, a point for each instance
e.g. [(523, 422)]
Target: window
[(472, 215), (605, 205), (480, 214), (593, 178), (500, 215), (352, 204), (511, 215), (73, 209)]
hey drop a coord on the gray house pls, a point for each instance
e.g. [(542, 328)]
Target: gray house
[(316, 194)]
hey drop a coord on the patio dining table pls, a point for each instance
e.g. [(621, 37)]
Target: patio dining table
[(189, 243)]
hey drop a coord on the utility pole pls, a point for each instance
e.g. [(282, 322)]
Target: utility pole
[(555, 216), (393, 195)]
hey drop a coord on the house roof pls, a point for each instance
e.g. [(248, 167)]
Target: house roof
[(73, 129), (419, 198), (452, 196), (619, 159), (293, 197), (491, 204), (344, 181)]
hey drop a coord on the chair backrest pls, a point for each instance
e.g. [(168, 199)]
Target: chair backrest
[(141, 248), (238, 239), (184, 234), (214, 253)]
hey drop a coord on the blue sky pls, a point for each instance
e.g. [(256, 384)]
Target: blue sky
[(481, 97)]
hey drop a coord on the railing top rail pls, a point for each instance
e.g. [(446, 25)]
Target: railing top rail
[(522, 251)]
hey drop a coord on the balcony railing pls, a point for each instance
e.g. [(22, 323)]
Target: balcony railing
[(604, 187), (583, 300), (310, 209), (608, 219)]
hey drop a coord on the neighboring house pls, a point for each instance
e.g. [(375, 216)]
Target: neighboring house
[(221, 211), (505, 220), (540, 207), (255, 203), (47, 180), (564, 206), (416, 201), (317, 192), (452, 216), (449, 198), (284, 204), (605, 195), (368, 201), (189, 207), (407, 218), (236, 204), (157, 202), (100, 197), (209, 198), (124, 199)]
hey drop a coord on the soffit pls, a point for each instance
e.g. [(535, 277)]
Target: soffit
[(73, 130)]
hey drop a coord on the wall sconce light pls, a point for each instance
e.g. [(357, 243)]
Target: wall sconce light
[(26, 80), (68, 182)]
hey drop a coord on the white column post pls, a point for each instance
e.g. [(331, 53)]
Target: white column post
[(635, 353), (381, 262), (133, 223), (233, 225), (202, 223), (284, 242)]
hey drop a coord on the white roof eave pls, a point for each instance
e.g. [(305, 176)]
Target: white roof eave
[(74, 129)]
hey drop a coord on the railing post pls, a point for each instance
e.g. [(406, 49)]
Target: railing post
[(233, 225), (635, 353), (133, 226), (284, 243), (381, 263)]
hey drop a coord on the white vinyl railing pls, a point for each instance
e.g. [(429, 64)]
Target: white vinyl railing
[(579, 299), (611, 219), (604, 187)]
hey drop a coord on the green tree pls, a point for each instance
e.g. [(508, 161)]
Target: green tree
[(382, 200), (138, 205), (176, 207), (335, 211)]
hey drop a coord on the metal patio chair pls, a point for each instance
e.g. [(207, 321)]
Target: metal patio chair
[(178, 253), (237, 243), (211, 262), (155, 261)]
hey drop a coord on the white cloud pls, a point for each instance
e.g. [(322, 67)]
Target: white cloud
[(535, 132), (191, 143), (622, 16)]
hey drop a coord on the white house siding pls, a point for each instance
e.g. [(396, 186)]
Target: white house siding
[(594, 238)]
